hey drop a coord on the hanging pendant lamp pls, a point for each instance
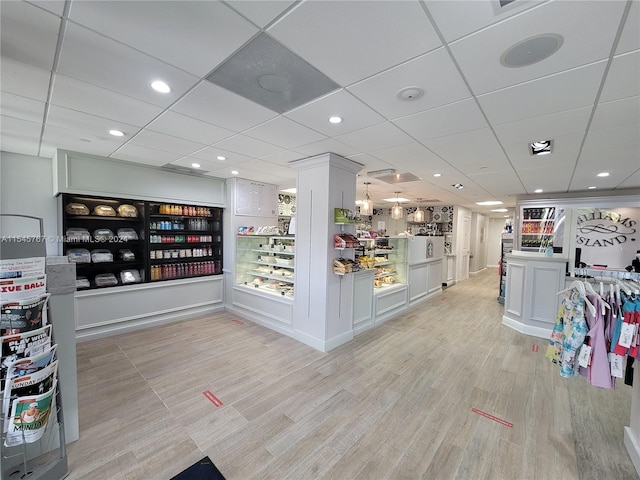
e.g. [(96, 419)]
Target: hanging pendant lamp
[(396, 210), (366, 207), (418, 216)]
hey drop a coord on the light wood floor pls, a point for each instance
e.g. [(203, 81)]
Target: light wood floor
[(395, 403)]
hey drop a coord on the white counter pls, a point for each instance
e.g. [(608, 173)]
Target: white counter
[(532, 300)]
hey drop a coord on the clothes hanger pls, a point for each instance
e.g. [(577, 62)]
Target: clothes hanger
[(580, 286)]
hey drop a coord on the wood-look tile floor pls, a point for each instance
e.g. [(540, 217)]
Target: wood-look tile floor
[(395, 403)]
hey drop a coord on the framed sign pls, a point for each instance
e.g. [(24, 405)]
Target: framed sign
[(256, 199)]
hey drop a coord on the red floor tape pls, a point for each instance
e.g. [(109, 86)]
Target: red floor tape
[(238, 322), (491, 417), (215, 400), (534, 348)]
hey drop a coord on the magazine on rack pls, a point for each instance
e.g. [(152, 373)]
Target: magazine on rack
[(16, 289), (29, 365), (22, 267), (28, 385), (23, 315), (23, 345), (29, 418)]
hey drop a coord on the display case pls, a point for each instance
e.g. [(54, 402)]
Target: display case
[(266, 263), (388, 257), (506, 246), (184, 241), (105, 238), (539, 228)]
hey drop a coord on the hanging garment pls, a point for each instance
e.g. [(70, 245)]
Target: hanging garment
[(598, 373), (568, 333), (628, 317)]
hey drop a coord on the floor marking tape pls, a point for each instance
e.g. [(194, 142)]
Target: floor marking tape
[(534, 348), (491, 417), (215, 400), (238, 322)]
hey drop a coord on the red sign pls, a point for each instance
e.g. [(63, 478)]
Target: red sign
[(215, 400), (491, 417)]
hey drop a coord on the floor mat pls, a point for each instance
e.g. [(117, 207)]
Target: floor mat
[(201, 470)]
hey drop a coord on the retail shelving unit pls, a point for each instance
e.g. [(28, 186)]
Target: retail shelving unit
[(506, 246)]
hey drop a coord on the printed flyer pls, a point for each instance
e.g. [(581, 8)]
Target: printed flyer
[(29, 418)]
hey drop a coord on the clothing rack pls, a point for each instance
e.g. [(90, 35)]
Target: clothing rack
[(609, 275)]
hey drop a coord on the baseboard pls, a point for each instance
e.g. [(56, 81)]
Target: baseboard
[(633, 448), (527, 329)]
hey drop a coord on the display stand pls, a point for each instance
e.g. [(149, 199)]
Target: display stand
[(506, 246), (45, 458)]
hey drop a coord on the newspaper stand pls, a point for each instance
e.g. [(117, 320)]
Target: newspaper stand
[(46, 458)]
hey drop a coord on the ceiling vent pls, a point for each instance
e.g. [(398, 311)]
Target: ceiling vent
[(398, 178), (179, 169), (267, 73)]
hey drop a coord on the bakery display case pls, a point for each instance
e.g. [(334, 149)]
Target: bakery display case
[(185, 241), (266, 263), (388, 257), (104, 237)]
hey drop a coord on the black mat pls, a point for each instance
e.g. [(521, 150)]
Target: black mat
[(201, 470)]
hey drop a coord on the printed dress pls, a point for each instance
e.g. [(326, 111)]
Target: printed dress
[(568, 333)]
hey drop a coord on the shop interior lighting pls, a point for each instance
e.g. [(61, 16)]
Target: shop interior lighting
[(538, 190), (195, 165), (500, 210), (437, 174), (289, 190), (366, 206), (396, 210), (592, 187), (116, 133), (459, 186), (235, 172), (335, 119), (603, 174), (541, 147), (489, 203), (418, 215), (220, 157), (160, 86), (381, 173)]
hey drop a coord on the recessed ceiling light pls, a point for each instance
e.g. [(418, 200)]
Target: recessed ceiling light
[(459, 186), (195, 165), (289, 190), (538, 190), (489, 202), (234, 172), (220, 157), (500, 210), (531, 50), (335, 119), (160, 86), (592, 187), (540, 147), (396, 199), (116, 133), (437, 174), (603, 174)]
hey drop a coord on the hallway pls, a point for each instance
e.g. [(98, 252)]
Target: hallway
[(395, 403)]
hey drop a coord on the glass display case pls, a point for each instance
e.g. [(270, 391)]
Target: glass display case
[(388, 257), (540, 228), (266, 263)]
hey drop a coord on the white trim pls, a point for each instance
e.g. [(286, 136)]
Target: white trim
[(527, 329), (633, 447)]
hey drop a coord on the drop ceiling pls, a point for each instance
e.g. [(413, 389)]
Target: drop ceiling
[(73, 70)]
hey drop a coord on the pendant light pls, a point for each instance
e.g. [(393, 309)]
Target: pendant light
[(366, 207), (418, 216), (396, 210)]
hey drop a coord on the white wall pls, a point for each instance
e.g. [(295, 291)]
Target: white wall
[(496, 226), (479, 231), (26, 188)]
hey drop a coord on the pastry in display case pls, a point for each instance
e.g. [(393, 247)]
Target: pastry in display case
[(388, 257), (266, 263)]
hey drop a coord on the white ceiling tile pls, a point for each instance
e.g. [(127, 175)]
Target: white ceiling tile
[(356, 30), (433, 72), (166, 143), (564, 154), (54, 6), (260, 12), (617, 113), (369, 162), (21, 107), (584, 178), (324, 146), (211, 153), (284, 157), (24, 80), (90, 124), (97, 101), (545, 127), (146, 155), (587, 39), (632, 181), (563, 91), (623, 78), (172, 123), (498, 184), (285, 133), (119, 68), (80, 141), (630, 38), (446, 120), (464, 148), (535, 178), (213, 104), (18, 144), (377, 137), (184, 34), (412, 157), (355, 114), (456, 19), (20, 129), (247, 146), (28, 34)]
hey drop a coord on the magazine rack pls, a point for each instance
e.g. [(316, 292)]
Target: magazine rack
[(46, 458)]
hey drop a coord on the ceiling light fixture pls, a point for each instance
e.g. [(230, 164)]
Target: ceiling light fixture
[(603, 174), (235, 172), (500, 210), (459, 186), (289, 190), (335, 119), (489, 202), (220, 157), (366, 207), (592, 187), (195, 165), (418, 215), (541, 147), (381, 173), (396, 210), (160, 86), (116, 133), (538, 190), (437, 174)]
